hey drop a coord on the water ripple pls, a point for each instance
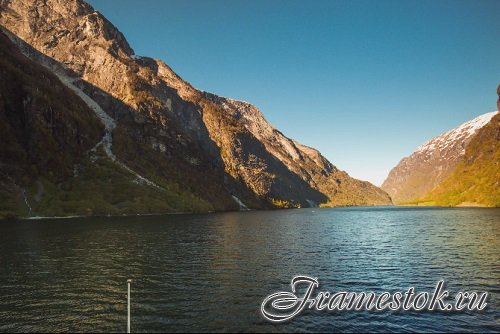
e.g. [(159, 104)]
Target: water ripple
[(211, 272)]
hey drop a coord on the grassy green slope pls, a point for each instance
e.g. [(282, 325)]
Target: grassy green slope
[(101, 187)]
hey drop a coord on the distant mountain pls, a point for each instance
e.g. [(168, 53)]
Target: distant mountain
[(169, 146), (436, 160)]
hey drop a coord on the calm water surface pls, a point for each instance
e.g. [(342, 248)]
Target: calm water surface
[(211, 272)]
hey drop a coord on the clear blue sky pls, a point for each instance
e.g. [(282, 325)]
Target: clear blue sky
[(365, 82)]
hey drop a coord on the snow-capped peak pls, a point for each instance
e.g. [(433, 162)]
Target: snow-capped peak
[(458, 134)]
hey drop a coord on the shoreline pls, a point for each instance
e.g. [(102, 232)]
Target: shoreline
[(461, 205), (35, 218)]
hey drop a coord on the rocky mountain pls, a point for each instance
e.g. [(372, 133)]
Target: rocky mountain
[(187, 150), (41, 134), (434, 161), (56, 158), (476, 179)]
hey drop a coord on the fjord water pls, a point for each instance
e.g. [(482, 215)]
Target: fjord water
[(211, 272)]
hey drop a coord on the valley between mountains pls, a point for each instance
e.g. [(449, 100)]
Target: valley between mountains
[(90, 128)]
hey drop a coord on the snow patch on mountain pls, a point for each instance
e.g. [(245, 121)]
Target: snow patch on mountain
[(457, 135)]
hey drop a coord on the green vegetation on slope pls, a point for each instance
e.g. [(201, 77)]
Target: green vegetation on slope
[(101, 187)]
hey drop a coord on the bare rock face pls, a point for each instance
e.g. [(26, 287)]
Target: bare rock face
[(498, 101), (215, 147), (70, 31), (432, 162)]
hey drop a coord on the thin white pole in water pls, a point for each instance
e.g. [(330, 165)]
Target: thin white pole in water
[(128, 306)]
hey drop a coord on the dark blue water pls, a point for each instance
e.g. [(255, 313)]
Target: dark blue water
[(212, 272)]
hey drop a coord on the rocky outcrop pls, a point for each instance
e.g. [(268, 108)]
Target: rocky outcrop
[(216, 148), (432, 162)]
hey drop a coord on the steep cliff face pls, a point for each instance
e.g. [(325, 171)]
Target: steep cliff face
[(42, 134), (434, 161), (217, 148), (56, 156), (305, 162)]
